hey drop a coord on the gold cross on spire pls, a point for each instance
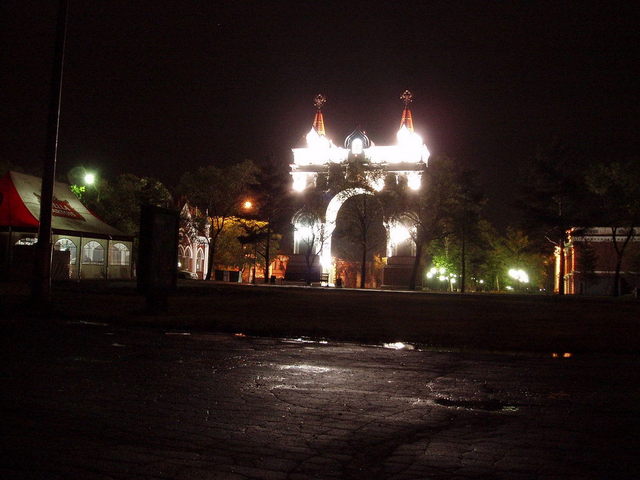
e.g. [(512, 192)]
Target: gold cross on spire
[(319, 100), (406, 97)]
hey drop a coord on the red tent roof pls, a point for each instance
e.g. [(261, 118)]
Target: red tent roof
[(20, 207)]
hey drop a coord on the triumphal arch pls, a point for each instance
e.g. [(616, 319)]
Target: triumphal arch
[(359, 167)]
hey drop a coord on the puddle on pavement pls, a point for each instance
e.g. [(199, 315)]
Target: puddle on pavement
[(86, 322), (487, 405), (303, 340), (398, 346), (306, 368)]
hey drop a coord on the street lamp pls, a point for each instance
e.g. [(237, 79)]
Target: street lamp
[(89, 178)]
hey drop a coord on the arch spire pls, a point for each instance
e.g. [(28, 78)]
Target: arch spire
[(407, 119), (318, 122)]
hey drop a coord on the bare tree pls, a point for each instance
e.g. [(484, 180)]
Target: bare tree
[(362, 219), (426, 212)]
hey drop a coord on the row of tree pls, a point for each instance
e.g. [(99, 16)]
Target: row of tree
[(446, 217)]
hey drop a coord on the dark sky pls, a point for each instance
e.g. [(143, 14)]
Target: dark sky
[(156, 87)]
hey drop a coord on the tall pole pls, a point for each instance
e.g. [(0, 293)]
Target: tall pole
[(41, 288)]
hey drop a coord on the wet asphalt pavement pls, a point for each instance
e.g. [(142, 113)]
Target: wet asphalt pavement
[(84, 401)]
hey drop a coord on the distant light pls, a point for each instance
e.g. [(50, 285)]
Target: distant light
[(326, 261), (442, 278), (89, 178), (413, 180), (398, 233), (247, 205), (519, 275), (453, 280), (299, 181)]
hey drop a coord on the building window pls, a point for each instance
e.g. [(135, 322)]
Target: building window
[(188, 255), (66, 245), (119, 254), (200, 261), (180, 256), (93, 253)]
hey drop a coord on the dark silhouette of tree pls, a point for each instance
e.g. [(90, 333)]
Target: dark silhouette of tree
[(428, 210), (617, 188), (219, 193), (259, 236), (466, 205), (554, 197), (118, 202), (271, 197)]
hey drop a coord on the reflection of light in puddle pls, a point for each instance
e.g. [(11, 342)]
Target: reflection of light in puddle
[(303, 340), (398, 346), (306, 368), (93, 324), (564, 355)]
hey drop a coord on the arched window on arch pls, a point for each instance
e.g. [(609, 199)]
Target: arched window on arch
[(93, 253), (64, 245), (119, 254)]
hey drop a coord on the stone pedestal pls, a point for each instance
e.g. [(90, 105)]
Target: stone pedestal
[(297, 268), (397, 272)]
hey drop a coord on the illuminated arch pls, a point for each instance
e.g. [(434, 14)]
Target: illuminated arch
[(330, 222)]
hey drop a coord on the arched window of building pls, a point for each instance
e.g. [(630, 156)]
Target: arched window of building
[(64, 245), (188, 256), (181, 258), (93, 253), (119, 254), (200, 261)]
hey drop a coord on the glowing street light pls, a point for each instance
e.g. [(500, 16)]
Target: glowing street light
[(247, 205), (519, 275)]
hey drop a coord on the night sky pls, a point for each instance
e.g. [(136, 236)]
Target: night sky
[(156, 87)]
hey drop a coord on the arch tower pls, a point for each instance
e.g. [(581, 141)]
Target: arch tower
[(326, 175)]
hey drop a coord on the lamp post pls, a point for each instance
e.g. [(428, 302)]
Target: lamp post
[(41, 287), (247, 206)]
